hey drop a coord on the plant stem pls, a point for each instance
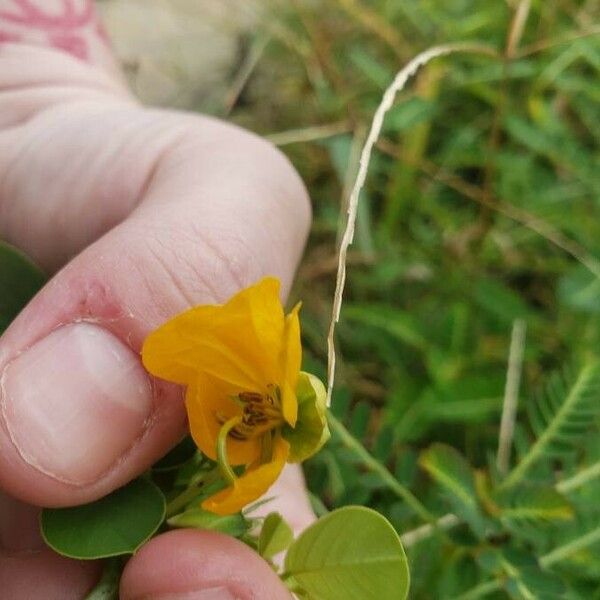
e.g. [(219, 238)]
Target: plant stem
[(517, 26), (182, 500), (108, 586), (493, 144), (558, 41), (511, 395), (375, 466), (386, 103), (448, 521), (481, 590), (409, 538), (203, 478), (308, 134), (579, 479), (562, 552), (373, 22)]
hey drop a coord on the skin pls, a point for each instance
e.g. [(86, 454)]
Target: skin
[(136, 214)]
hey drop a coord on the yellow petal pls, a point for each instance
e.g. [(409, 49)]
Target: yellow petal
[(209, 405), (239, 342), (194, 342), (291, 358), (251, 485), (261, 302)]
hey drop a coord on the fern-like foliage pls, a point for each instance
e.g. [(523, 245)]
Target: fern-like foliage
[(564, 411), (454, 475), (534, 504)]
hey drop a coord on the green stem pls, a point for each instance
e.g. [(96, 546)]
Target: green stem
[(449, 520), (182, 500), (414, 536), (481, 590), (194, 488), (579, 479), (375, 466), (563, 552), (108, 586)]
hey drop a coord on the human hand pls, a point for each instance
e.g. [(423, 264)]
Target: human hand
[(141, 213)]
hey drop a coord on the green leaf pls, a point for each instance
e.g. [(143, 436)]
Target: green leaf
[(400, 325), (370, 66), (534, 503), (353, 553), (580, 290), (527, 580), (534, 583), (409, 113), (275, 536), (562, 413), (453, 473), (116, 524), (311, 430), (500, 301), (20, 279), (469, 398), (234, 525)]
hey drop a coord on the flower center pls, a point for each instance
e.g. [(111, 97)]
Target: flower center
[(261, 413)]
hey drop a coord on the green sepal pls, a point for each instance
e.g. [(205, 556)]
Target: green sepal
[(235, 525), (311, 430)]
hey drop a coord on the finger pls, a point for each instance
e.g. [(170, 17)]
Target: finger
[(30, 570), (199, 565), (213, 210), (72, 28), (289, 497)]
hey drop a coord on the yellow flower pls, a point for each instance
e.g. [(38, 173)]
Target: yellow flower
[(247, 401)]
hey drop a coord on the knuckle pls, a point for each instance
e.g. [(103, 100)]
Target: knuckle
[(184, 264), (242, 162)]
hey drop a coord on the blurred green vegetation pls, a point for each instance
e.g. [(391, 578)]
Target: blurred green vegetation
[(481, 210)]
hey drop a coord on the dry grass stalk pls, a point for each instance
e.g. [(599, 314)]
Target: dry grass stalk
[(387, 102), (511, 395), (517, 27)]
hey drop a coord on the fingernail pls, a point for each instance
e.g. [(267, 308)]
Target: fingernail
[(75, 402), (218, 593)]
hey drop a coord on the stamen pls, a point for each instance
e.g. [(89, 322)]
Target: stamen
[(261, 413)]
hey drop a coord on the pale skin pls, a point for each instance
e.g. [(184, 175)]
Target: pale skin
[(136, 214)]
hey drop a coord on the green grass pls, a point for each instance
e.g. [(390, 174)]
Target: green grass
[(482, 206)]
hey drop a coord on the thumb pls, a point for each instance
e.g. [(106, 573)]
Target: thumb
[(184, 210)]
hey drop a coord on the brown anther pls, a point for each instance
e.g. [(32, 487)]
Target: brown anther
[(261, 413)]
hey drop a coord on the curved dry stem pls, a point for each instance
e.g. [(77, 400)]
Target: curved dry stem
[(387, 102)]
